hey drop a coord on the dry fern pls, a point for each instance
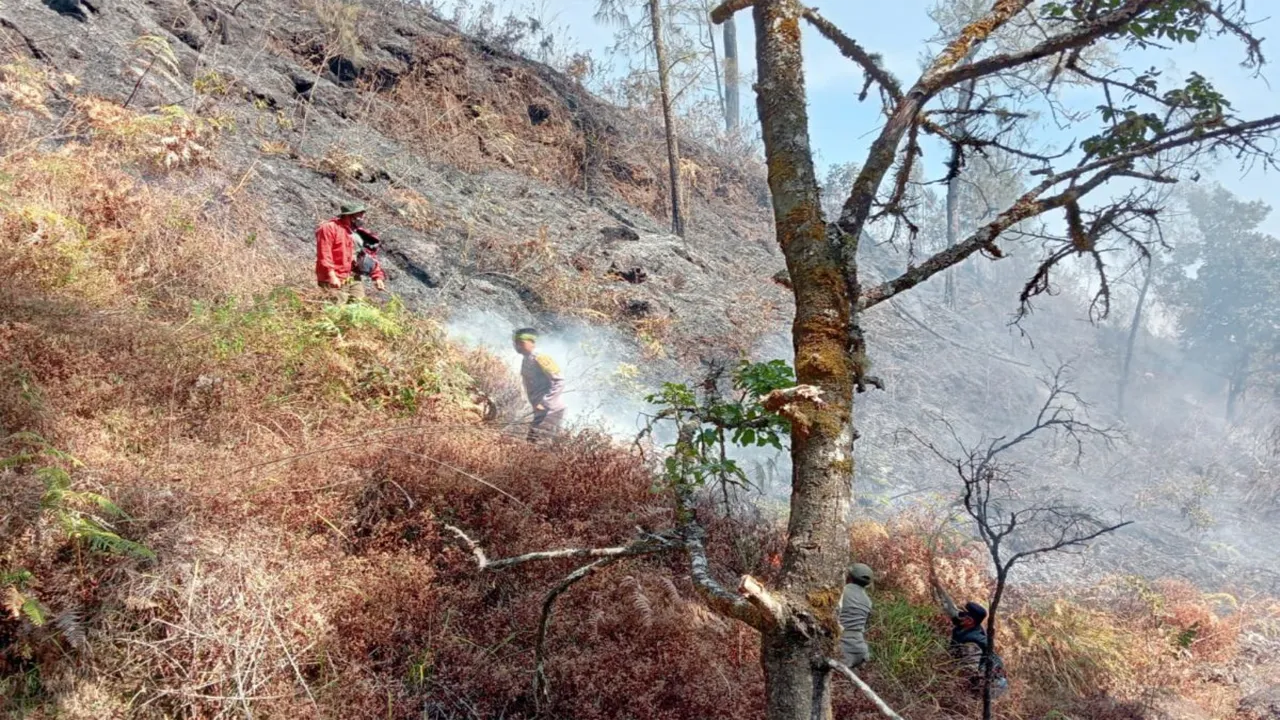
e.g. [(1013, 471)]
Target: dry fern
[(640, 605)]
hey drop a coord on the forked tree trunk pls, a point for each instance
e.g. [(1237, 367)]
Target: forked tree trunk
[(821, 444), (668, 119), (731, 101)]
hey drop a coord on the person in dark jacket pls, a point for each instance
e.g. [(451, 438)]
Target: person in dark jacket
[(969, 644), (855, 609), (543, 385)]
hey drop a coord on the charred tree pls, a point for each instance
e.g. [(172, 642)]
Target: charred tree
[(668, 118)]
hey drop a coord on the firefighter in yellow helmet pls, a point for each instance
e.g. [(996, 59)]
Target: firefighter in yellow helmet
[(543, 385)]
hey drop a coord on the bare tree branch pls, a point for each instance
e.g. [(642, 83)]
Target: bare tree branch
[(1080, 36), (726, 9), (1031, 204), (1027, 206), (869, 62), (541, 686), (875, 699), (1000, 515), (857, 209), (770, 607), (721, 600), (647, 544), (1067, 540)]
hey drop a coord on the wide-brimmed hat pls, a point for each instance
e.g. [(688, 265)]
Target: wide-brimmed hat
[(352, 208)]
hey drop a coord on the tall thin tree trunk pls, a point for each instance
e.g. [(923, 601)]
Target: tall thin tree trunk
[(1133, 336), (668, 118), (731, 101), (953, 188), (1236, 385), (715, 56), (986, 666), (822, 445)]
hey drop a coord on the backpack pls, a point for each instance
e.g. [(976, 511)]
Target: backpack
[(365, 261)]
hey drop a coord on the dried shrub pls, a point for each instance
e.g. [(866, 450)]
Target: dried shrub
[(901, 549), (257, 441), (414, 209), (476, 115), (535, 268), (492, 377), (168, 139), (25, 87)]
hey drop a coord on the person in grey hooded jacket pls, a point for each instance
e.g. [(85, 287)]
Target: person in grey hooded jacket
[(855, 609)]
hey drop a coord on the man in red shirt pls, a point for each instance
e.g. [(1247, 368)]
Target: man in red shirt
[(336, 257)]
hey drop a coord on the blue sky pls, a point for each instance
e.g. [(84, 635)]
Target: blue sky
[(841, 128)]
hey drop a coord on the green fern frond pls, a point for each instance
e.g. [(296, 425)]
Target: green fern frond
[(101, 502), (18, 578), (55, 479), (97, 535), (16, 460), (355, 316), (36, 446), (103, 540), (22, 605), (34, 612)]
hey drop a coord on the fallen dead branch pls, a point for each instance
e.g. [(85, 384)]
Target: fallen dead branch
[(866, 690)]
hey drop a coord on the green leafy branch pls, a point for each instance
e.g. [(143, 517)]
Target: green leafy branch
[(708, 423)]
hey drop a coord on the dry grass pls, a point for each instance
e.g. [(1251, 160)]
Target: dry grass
[(1115, 650), (476, 115), (546, 280), (290, 465)]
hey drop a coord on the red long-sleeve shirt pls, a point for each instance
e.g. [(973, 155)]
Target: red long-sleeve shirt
[(336, 251)]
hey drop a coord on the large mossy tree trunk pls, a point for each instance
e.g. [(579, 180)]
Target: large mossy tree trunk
[(822, 439)]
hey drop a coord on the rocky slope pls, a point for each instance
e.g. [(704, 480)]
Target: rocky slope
[(498, 182), (510, 195)]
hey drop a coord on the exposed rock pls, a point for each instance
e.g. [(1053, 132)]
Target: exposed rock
[(619, 233), (637, 307), (633, 275), (1262, 705), (538, 113)]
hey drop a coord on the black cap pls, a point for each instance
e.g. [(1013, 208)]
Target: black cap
[(975, 611)]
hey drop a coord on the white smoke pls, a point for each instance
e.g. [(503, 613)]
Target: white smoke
[(606, 380), (602, 390)]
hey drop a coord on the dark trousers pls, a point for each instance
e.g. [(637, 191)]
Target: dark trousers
[(546, 423)]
